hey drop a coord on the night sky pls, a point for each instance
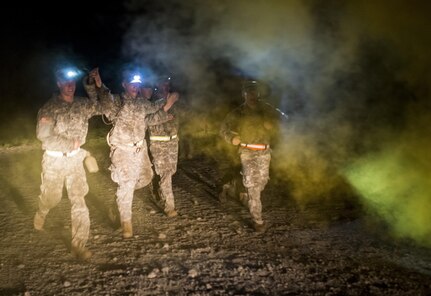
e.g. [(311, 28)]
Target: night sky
[(354, 76)]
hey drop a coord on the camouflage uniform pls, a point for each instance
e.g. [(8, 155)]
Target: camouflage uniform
[(59, 124), (164, 152), (130, 164), (249, 125)]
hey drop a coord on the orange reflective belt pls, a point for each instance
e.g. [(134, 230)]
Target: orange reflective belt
[(255, 147)]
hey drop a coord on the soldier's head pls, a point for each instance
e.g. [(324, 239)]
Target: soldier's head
[(163, 84), (66, 80), (250, 92), (146, 90), (132, 82)]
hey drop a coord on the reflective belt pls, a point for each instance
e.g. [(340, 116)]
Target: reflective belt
[(136, 144), (163, 138), (255, 147), (61, 154)]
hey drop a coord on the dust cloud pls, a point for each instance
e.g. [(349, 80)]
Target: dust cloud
[(353, 76)]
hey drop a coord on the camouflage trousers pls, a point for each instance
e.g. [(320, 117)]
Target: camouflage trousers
[(69, 171), (165, 159), (130, 169), (255, 176)]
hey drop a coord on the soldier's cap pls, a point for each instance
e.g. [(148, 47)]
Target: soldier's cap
[(67, 74)]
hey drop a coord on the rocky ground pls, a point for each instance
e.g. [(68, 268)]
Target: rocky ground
[(210, 249)]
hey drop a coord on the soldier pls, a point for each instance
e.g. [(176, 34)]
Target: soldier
[(250, 127), (130, 163), (164, 149), (62, 125)]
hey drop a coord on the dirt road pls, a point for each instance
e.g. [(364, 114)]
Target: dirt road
[(209, 249)]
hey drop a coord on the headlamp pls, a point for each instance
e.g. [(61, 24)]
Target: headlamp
[(67, 74), (136, 79)]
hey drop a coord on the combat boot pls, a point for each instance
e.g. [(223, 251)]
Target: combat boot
[(81, 253), (259, 227), (171, 213), (38, 221), (127, 229)]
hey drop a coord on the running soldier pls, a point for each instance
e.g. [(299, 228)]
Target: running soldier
[(62, 125), (164, 149), (130, 164), (250, 127)]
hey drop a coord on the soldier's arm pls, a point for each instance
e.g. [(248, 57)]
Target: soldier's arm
[(228, 128), (152, 107), (90, 88), (158, 118), (109, 103), (102, 100), (51, 140), (165, 103)]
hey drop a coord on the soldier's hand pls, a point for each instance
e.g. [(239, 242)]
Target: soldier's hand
[(94, 75), (236, 140), (170, 116)]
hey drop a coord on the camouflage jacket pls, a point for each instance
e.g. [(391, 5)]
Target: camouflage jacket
[(130, 117), (249, 124), (60, 124), (169, 128)]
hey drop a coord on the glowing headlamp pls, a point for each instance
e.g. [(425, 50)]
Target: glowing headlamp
[(67, 74), (71, 74), (136, 79)]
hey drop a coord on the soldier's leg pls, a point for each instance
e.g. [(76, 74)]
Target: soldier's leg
[(125, 171), (51, 190), (124, 202), (255, 204), (255, 171), (146, 173), (77, 189), (166, 193), (165, 158)]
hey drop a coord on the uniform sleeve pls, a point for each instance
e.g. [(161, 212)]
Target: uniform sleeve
[(152, 107), (228, 128), (45, 133), (157, 118), (101, 100), (90, 89), (109, 104)]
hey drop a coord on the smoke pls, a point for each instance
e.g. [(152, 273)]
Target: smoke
[(353, 76), (395, 181)]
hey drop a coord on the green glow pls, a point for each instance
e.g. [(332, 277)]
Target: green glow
[(397, 185)]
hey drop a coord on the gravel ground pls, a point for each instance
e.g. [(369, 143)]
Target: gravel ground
[(330, 248)]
